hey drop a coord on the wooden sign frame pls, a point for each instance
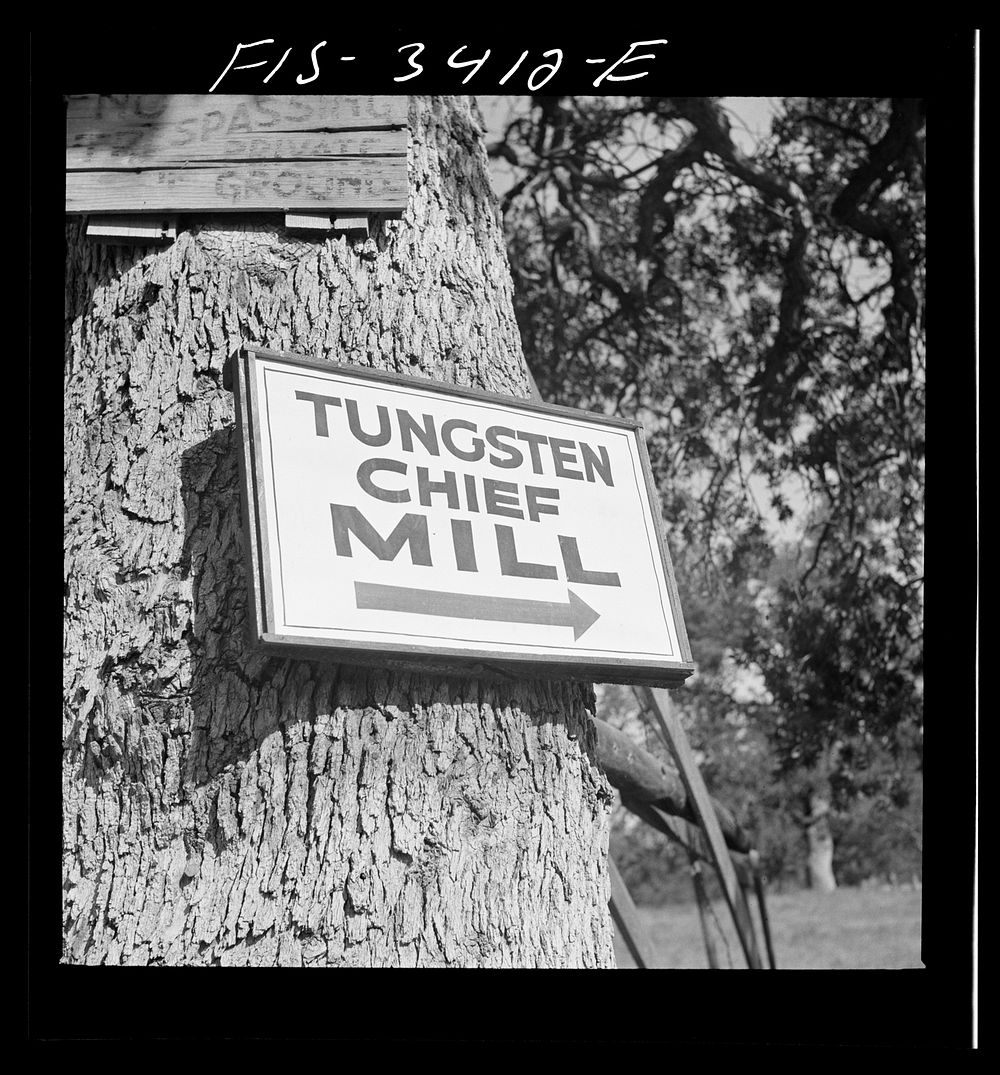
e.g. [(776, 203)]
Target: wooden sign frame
[(130, 154), (241, 379)]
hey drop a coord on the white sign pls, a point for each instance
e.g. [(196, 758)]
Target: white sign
[(396, 516)]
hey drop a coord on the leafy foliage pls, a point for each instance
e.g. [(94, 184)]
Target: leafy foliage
[(760, 310)]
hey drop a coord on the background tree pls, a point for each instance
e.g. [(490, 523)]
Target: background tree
[(225, 808), (760, 310)]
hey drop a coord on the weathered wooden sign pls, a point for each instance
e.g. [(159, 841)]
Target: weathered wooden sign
[(392, 517), (158, 153)]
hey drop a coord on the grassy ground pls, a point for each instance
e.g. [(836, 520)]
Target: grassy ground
[(848, 929)]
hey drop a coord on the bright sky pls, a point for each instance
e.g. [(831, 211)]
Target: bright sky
[(750, 118)]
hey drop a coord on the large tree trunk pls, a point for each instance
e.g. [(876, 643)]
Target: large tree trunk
[(221, 808)]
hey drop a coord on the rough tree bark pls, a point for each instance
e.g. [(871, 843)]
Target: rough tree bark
[(221, 808)]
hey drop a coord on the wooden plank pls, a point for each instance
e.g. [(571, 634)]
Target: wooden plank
[(236, 376), (627, 920), (689, 836), (152, 153), (454, 663), (256, 499), (641, 776), (765, 922), (150, 147), (314, 224), (132, 230), (635, 772), (656, 505), (319, 224), (363, 184), (704, 911), (190, 119), (658, 704), (352, 225)]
